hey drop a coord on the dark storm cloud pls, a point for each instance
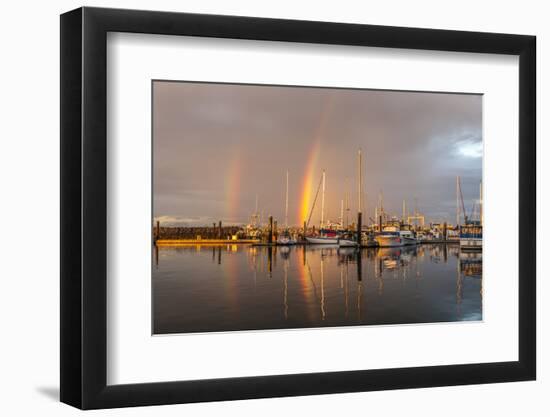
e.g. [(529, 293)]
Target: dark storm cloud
[(216, 146)]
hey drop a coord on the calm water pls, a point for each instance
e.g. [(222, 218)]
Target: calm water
[(242, 287)]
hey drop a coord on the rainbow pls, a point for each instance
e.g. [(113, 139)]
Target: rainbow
[(232, 187), (306, 198)]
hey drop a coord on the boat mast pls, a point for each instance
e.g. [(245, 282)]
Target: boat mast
[(342, 213), (460, 197), (347, 203), (404, 210), (381, 204), (480, 203), (359, 187), (286, 202), (255, 220), (457, 204), (359, 182), (323, 203)]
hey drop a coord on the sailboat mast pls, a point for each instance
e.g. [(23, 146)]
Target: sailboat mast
[(323, 203), (347, 203), (359, 181), (342, 214), (286, 202), (480, 203), (359, 187), (457, 203)]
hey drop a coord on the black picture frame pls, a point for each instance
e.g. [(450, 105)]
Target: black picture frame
[(84, 207)]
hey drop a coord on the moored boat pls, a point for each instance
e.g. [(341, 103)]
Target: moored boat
[(325, 237), (471, 237), (408, 237), (390, 236), (346, 243), (387, 239), (322, 240), (286, 239)]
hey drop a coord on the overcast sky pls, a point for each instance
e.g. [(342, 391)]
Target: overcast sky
[(217, 146)]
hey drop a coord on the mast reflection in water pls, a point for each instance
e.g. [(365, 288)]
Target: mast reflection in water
[(240, 287)]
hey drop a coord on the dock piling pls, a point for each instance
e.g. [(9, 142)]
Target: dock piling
[(157, 232), (359, 227), (270, 231)]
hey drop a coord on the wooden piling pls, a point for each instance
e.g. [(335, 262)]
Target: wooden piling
[(305, 230), (359, 266), (157, 231), (359, 227), (270, 231), (270, 260), (275, 230), (220, 229)]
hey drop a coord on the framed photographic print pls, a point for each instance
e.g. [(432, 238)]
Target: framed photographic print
[(258, 207)]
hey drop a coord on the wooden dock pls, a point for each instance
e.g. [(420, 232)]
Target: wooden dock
[(186, 242), (448, 241)]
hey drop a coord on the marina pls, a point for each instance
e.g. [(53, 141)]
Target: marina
[(301, 207), (386, 231), (262, 276)]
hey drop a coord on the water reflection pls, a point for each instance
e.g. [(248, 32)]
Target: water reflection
[(238, 287)]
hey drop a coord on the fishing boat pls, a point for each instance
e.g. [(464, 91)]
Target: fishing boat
[(471, 236), (395, 234), (390, 235), (389, 239), (408, 237)]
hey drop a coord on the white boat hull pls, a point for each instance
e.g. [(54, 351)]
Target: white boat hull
[(346, 243), (409, 241), (322, 240), (471, 243), (389, 241), (286, 241)]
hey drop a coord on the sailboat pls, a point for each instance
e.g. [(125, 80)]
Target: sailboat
[(347, 242), (347, 239), (322, 240), (325, 237), (471, 232), (285, 238)]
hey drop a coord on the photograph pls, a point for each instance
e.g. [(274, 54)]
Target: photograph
[(292, 207)]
